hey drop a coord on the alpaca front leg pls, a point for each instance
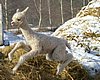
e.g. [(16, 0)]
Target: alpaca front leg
[(17, 46), (23, 58)]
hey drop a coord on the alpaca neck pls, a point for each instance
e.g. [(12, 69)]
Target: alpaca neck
[(26, 31)]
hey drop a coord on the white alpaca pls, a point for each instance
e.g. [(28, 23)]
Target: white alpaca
[(39, 44)]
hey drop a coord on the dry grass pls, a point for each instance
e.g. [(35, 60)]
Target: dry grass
[(39, 68)]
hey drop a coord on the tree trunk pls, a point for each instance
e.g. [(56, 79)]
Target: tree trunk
[(83, 2), (40, 9), (37, 10), (72, 8), (49, 10), (88, 1), (61, 6), (1, 26), (6, 15)]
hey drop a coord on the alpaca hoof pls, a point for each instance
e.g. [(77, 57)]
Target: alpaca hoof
[(59, 69), (57, 73), (13, 72), (9, 58)]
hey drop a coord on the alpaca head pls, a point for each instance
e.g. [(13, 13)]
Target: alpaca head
[(19, 17)]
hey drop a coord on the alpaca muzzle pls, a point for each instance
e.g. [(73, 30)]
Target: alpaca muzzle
[(12, 24)]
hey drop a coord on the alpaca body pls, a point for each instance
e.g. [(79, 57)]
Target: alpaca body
[(41, 41), (53, 47)]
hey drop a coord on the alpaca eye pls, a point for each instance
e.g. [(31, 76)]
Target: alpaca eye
[(18, 19)]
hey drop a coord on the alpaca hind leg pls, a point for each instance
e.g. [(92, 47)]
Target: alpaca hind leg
[(60, 55), (62, 65)]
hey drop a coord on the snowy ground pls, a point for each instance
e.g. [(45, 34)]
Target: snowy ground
[(89, 60)]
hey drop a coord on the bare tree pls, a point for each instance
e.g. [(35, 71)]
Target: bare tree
[(83, 2), (49, 10), (88, 0), (36, 9), (36, 5), (61, 7), (6, 15), (2, 3), (72, 8), (40, 9)]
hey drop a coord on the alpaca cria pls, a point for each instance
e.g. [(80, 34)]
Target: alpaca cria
[(53, 47)]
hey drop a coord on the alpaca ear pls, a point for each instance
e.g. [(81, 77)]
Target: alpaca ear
[(17, 10), (25, 10)]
